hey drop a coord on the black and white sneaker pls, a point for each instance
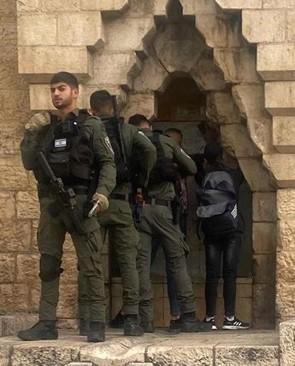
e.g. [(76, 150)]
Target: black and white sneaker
[(212, 322), (234, 324)]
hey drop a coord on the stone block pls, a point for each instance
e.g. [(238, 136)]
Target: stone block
[(13, 176), (14, 298), (27, 205), (13, 323), (68, 305), (285, 300), (104, 5), (7, 268), (256, 175), (250, 100), (264, 238), (7, 204), (37, 30), (276, 61), (27, 266), (58, 6), (15, 235), (264, 268), (286, 204), (139, 103), (126, 34), (222, 109), (286, 234), (264, 25), (287, 343), (5, 352), (264, 306), (237, 64), (207, 75), (180, 355), (239, 4), (280, 98), (264, 207), (246, 355), (274, 4), (284, 134), (45, 354), (290, 25), (28, 6), (70, 266), (285, 261), (81, 29), (8, 31), (49, 60), (282, 167), (236, 140)]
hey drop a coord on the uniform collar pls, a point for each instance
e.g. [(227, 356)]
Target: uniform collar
[(69, 116)]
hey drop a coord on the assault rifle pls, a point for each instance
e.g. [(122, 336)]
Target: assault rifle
[(67, 196)]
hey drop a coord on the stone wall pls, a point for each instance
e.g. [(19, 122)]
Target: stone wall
[(109, 44)]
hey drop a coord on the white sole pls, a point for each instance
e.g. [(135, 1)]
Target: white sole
[(234, 327)]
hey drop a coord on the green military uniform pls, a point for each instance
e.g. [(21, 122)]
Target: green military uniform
[(118, 221), (157, 222), (52, 228)]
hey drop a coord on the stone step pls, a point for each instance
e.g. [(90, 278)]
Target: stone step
[(216, 348)]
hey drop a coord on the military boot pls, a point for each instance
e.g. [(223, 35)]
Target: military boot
[(190, 324), (148, 326), (96, 332), (83, 327), (43, 330), (132, 327)]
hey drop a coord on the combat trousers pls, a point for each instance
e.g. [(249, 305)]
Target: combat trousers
[(51, 236), (117, 221), (157, 223)]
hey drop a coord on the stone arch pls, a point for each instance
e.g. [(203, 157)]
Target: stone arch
[(228, 77)]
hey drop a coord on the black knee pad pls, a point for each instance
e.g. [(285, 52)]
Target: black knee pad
[(49, 268)]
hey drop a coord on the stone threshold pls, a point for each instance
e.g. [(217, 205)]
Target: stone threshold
[(215, 348)]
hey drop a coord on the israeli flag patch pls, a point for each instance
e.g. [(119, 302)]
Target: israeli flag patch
[(60, 143)]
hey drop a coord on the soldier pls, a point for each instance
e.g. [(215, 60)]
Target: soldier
[(74, 145), (126, 140), (158, 222)]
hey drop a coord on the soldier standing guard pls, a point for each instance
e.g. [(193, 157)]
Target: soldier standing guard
[(74, 148)]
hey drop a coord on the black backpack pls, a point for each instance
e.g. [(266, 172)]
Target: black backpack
[(218, 209), (165, 169), (113, 130)]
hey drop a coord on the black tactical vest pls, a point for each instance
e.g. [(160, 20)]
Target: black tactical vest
[(68, 148)]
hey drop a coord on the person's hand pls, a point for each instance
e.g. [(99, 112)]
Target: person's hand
[(38, 121), (101, 201)]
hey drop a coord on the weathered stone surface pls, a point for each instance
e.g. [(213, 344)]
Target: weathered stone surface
[(207, 75), (264, 268), (28, 6), (27, 205), (285, 299), (282, 167), (67, 306), (247, 356), (56, 5), (13, 176), (286, 235), (14, 297), (290, 25), (280, 66), (250, 99), (37, 30), (13, 323), (80, 29), (280, 98), (235, 139), (264, 25), (282, 4), (264, 207), (5, 351), (15, 235), (140, 103), (256, 176), (7, 268), (7, 204), (284, 134), (285, 261), (49, 60), (104, 5), (238, 64), (240, 4), (264, 237), (222, 109), (287, 343), (45, 354), (27, 268), (180, 356), (286, 204), (264, 306)]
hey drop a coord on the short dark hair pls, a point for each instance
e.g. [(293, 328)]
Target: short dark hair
[(137, 119), (99, 98), (65, 77), (174, 130), (212, 152)]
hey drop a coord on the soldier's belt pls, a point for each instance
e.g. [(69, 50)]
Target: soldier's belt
[(154, 201)]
